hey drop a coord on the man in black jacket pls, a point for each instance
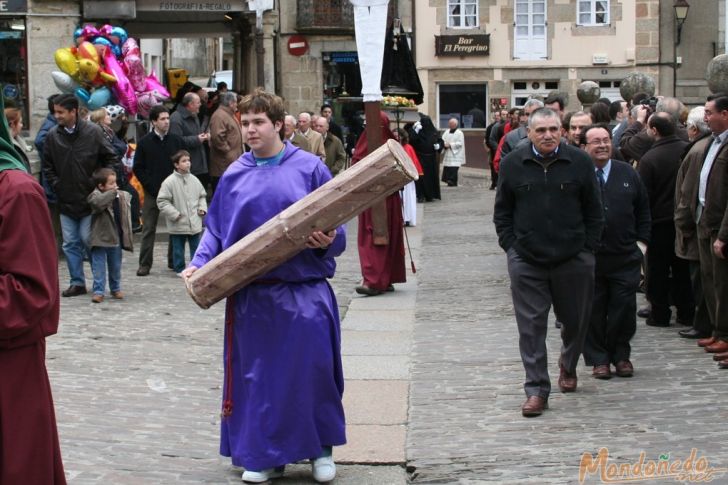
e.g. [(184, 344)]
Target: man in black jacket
[(619, 254), (548, 216), (152, 164), (658, 168), (72, 151)]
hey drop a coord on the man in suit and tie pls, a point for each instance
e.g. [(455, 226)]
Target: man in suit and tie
[(619, 254)]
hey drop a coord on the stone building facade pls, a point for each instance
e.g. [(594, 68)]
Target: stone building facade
[(533, 47)]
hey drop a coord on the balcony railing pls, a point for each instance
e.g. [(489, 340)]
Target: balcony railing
[(328, 16)]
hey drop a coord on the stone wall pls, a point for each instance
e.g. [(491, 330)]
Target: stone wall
[(46, 33)]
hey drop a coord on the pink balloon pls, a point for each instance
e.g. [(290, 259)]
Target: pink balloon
[(130, 47), (153, 84), (105, 31), (146, 101), (135, 72), (123, 90), (88, 33)]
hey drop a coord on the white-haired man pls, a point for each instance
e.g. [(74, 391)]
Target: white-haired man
[(315, 141)]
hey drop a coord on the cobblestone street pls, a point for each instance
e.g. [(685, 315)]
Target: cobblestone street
[(465, 424), (137, 383)]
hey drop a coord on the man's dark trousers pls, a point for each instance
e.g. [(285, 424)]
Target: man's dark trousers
[(661, 263), (150, 217), (569, 287), (614, 311), (715, 287)]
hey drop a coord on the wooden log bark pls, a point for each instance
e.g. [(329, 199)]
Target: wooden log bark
[(371, 180)]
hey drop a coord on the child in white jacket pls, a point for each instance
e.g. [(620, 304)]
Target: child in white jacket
[(183, 201)]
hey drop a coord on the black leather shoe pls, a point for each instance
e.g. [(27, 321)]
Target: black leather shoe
[(74, 290), (365, 290), (692, 333), (143, 271), (644, 312), (654, 323)]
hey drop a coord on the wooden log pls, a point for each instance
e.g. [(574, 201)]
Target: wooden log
[(371, 180)]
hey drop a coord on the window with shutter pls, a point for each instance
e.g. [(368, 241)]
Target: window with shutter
[(530, 30)]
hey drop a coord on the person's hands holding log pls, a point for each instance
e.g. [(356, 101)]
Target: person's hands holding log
[(320, 239), (187, 272)]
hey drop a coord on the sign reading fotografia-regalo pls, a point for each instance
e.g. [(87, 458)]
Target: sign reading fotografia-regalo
[(181, 6)]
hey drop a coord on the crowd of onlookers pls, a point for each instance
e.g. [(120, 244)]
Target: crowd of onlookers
[(679, 154)]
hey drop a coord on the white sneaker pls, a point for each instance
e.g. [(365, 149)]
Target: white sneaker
[(324, 469), (263, 475)]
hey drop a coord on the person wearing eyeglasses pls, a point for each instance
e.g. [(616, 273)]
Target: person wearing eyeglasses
[(618, 257)]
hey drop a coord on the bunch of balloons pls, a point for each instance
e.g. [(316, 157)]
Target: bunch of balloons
[(104, 67)]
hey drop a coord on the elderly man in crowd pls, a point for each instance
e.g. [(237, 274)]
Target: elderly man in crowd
[(454, 142), (709, 207), (292, 135), (315, 141), (226, 138), (686, 238), (335, 154), (548, 216)]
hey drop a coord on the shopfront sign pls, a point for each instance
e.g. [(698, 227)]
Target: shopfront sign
[(184, 6), (13, 6), (462, 45)]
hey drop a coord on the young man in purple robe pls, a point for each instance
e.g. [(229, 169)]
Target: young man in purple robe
[(283, 374)]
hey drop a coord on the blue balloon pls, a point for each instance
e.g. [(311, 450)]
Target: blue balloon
[(99, 98), (119, 33), (104, 42), (76, 34), (116, 49), (83, 95)]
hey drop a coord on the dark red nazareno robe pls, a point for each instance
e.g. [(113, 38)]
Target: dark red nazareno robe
[(29, 307)]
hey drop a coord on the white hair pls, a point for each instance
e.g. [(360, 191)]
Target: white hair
[(696, 119)]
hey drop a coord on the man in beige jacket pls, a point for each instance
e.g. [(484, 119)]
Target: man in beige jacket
[(226, 139), (315, 140)]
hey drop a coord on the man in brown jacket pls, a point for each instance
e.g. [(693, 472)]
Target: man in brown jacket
[(226, 138), (335, 154), (709, 207), (291, 134), (315, 140), (686, 238)]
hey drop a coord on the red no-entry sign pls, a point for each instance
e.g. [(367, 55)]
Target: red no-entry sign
[(297, 45)]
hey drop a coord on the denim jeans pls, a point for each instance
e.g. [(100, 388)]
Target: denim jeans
[(100, 258), (76, 235), (178, 248)]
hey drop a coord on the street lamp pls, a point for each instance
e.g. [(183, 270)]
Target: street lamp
[(681, 13)]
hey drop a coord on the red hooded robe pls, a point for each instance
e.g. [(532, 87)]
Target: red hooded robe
[(381, 265)]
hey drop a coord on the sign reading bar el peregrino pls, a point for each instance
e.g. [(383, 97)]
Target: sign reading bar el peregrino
[(183, 6), (462, 45)]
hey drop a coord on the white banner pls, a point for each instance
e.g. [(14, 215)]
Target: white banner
[(370, 24)]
